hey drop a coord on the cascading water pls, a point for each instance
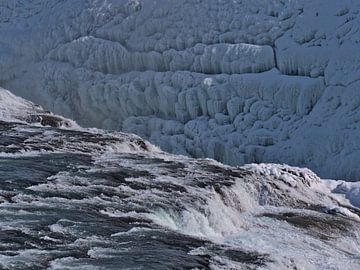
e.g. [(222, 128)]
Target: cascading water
[(74, 198)]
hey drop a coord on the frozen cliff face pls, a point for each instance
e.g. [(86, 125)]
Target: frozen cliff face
[(238, 81)]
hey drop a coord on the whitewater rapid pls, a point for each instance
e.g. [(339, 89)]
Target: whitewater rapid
[(74, 198)]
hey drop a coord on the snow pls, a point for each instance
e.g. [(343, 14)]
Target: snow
[(17, 109), (238, 81), (12, 107)]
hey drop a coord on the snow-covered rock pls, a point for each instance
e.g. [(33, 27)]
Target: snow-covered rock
[(238, 81), (17, 109)]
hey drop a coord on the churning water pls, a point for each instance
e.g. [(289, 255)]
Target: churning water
[(90, 199)]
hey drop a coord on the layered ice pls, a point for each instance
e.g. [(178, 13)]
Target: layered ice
[(238, 81)]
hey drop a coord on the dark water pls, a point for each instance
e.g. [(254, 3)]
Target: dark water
[(63, 207), (75, 199)]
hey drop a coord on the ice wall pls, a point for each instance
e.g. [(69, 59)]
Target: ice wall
[(238, 81)]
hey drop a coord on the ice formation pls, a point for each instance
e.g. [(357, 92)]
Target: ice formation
[(238, 81)]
